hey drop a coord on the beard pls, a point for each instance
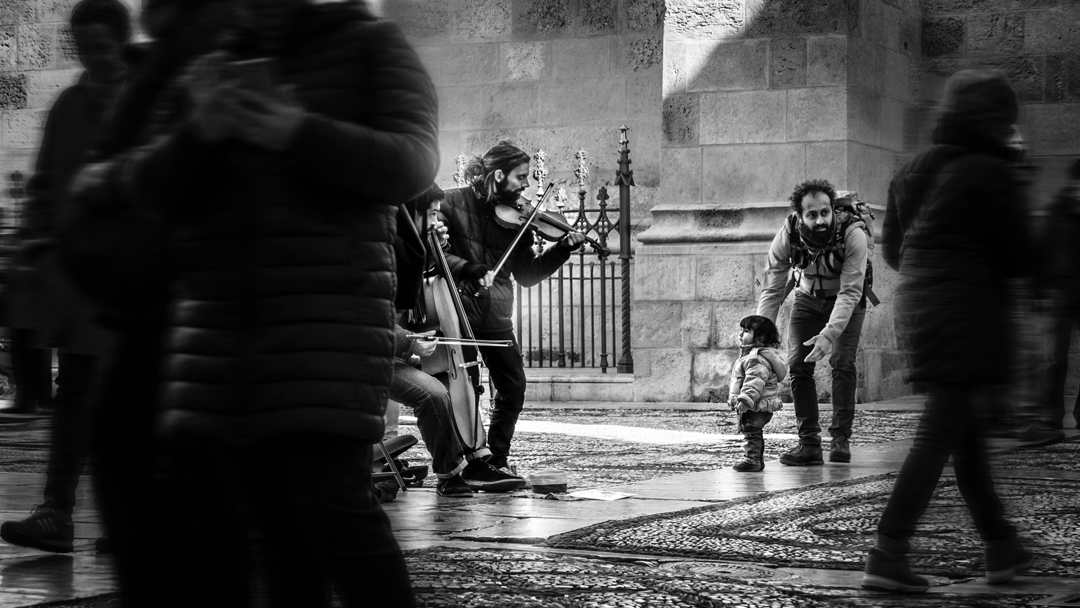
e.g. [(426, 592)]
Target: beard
[(505, 195), (816, 237)]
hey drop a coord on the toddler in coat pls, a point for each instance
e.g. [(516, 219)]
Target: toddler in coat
[(754, 391)]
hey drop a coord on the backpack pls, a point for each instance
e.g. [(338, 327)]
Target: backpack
[(848, 210)]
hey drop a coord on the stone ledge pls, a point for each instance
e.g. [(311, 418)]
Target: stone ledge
[(724, 222)]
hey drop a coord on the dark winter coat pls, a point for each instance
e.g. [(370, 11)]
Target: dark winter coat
[(956, 230), (475, 237), (1061, 249), (282, 319)]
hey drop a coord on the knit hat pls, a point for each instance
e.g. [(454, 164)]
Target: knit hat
[(977, 108)]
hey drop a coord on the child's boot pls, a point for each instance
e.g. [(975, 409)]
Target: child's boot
[(754, 458), (887, 568)]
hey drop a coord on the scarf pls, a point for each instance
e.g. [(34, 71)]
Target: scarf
[(815, 242)]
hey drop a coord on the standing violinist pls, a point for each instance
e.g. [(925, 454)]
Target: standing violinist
[(477, 243), (415, 388)]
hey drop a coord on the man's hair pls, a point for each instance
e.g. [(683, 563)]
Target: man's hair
[(480, 172), (113, 14), (1075, 172), (764, 330), (428, 198), (812, 186)]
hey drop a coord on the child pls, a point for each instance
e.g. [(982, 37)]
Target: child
[(755, 382)]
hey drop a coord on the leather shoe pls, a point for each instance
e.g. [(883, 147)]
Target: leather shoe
[(839, 450), (803, 456)]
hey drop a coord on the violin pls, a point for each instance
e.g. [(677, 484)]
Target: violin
[(550, 225)]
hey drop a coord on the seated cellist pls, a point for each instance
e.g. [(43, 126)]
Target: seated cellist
[(459, 472)]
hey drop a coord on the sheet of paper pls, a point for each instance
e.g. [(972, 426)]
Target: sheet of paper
[(599, 494)]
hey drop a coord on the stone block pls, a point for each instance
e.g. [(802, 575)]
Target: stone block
[(16, 12), (42, 87), (462, 107), (769, 18), (727, 66), (879, 23), (67, 52), (703, 19), (726, 318), (1053, 128), (664, 278), (643, 101), (681, 116), (751, 173), (676, 70), (1026, 74), (512, 105), (787, 63), (942, 36), (867, 66), (995, 33), (682, 176), (827, 60), (525, 60), (725, 278), (597, 18), (897, 77), (657, 325), (712, 372), (644, 15), (579, 59), (1052, 31), (869, 171), (23, 128), (482, 20), (463, 64), (669, 375), (697, 325), (742, 117), (638, 54), (817, 114), (35, 46), (597, 101), (864, 116), (827, 160), (893, 114), (430, 21), (909, 35), (54, 11), (536, 19), (1056, 80), (12, 91), (878, 331), (9, 49)]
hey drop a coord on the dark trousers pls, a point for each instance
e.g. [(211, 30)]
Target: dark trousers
[(950, 426), (809, 315), (305, 497), (125, 449), (507, 373), (431, 403), (76, 382), (1062, 326), (32, 370), (752, 423)]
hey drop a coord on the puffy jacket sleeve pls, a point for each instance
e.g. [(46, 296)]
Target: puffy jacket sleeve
[(394, 156), (753, 385)]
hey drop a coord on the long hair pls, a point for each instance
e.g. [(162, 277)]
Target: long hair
[(480, 172)]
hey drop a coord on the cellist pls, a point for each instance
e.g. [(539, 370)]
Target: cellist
[(477, 244), (424, 393)]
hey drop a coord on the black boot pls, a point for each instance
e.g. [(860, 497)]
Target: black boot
[(754, 460)]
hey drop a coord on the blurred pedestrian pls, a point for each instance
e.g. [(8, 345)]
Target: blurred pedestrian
[(49, 309), (952, 208), (1062, 264), (755, 387), (301, 139)]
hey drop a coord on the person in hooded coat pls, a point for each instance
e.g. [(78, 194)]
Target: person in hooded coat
[(953, 227)]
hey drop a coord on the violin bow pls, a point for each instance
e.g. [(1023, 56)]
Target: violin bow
[(524, 227), (459, 341)]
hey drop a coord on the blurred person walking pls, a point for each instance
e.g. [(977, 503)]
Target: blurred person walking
[(948, 212), (283, 178), (1062, 247), (48, 310)]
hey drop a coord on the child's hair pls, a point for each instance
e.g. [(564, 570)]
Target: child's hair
[(765, 331)]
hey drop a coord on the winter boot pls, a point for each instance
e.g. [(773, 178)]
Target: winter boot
[(887, 569), (1006, 559), (802, 456), (754, 460)]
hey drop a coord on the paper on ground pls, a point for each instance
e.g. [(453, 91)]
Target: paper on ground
[(599, 494)]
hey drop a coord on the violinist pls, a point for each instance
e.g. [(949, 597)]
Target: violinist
[(477, 245), (427, 395)]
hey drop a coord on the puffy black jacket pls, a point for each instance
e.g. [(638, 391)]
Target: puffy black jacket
[(282, 318), (475, 237)]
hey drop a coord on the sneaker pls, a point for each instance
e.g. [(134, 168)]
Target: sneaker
[(1004, 562), (839, 450), (47, 529), (890, 572), (802, 456), (481, 476), (453, 487)]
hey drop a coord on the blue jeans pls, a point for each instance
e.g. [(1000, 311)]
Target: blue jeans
[(431, 403), (809, 316)]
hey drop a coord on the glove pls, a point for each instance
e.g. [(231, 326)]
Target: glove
[(474, 271)]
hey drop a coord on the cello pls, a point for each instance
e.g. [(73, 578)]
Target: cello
[(455, 361)]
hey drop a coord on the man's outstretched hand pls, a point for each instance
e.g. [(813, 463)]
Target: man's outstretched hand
[(822, 347)]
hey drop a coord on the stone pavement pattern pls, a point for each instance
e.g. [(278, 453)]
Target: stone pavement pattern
[(495, 550)]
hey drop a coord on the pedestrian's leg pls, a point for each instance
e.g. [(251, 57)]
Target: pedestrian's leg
[(807, 320), (431, 403), (70, 437), (1058, 363), (30, 366), (508, 375), (750, 425), (326, 480), (844, 377)]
